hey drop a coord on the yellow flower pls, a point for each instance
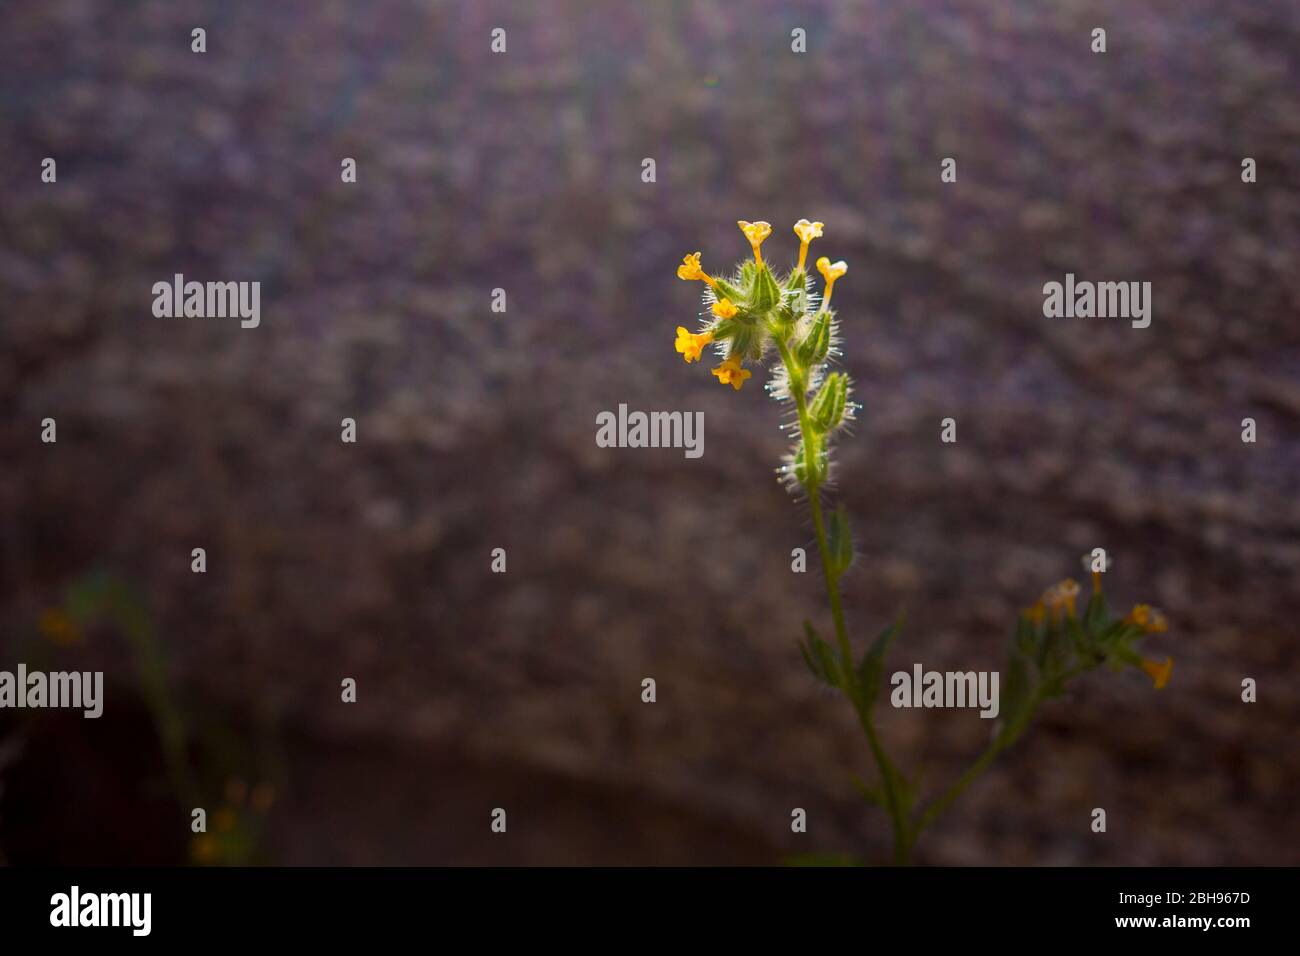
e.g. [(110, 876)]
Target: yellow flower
[(1035, 613), (730, 373), (830, 272), (1088, 562), (691, 345), (1148, 618), (690, 269), (807, 232), (755, 232), (1062, 596), (58, 627), (1159, 672), (724, 309)]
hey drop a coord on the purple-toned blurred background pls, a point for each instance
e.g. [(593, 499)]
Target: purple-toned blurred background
[(476, 430)]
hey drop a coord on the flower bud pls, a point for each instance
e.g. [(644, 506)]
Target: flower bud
[(827, 408), (765, 293), (817, 343)]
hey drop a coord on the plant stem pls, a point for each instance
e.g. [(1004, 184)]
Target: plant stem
[(898, 816), (959, 786), (906, 828), (1005, 739)]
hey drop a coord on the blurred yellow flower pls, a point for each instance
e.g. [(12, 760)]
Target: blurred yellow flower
[(1148, 618), (1159, 672), (1036, 613), (1088, 562), (1062, 597)]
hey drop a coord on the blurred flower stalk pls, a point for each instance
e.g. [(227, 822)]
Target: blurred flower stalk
[(750, 315), (196, 769)]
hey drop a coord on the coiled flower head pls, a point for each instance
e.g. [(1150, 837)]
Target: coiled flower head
[(752, 313)]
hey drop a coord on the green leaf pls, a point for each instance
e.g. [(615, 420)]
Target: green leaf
[(840, 542), (1053, 646), (1095, 614), (1017, 696), (1025, 639), (871, 669), (869, 793), (820, 658), (1078, 636)]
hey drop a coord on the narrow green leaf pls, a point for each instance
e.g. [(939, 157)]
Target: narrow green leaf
[(820, 658), (871, 669), (1017, 695), (829, 664), (1095, 615), (1025, 639)]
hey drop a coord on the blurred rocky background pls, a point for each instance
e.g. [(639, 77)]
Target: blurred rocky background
[(476, 430)]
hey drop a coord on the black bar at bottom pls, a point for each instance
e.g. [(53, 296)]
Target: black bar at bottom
[(371, 905)]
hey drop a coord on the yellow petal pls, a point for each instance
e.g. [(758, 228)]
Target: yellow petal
[(1159, 672), (807, 231), (690, 267), (755, 232), (831, 270)]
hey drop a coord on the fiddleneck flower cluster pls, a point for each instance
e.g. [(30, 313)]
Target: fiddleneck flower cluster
[(1053, 628), (752, 312)]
